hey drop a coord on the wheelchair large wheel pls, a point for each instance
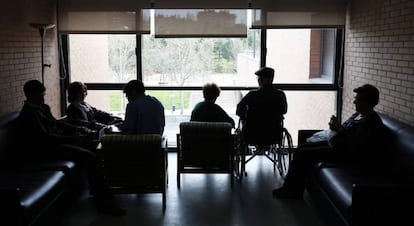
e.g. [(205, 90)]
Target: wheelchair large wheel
[(284, 153), (237, 158), (237, 165), (240, 163)]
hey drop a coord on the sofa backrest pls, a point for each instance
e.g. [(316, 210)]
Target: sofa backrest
[(403, 135), (5, 132)]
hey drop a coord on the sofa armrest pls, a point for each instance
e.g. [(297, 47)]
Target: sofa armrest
[(382, 204)]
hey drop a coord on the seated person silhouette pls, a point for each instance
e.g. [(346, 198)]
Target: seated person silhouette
[(360, 141), (261, 111), (144, 113), (48, 139), (81, 113), (208, 110)]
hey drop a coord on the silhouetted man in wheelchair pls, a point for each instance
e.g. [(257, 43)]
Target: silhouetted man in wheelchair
[(261, 111)]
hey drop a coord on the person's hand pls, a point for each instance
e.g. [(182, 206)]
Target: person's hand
[(82, 130), (98, 125), (108, 130), (334, 124), (116, 120)]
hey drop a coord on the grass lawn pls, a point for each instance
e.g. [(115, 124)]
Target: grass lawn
[(167, 98)]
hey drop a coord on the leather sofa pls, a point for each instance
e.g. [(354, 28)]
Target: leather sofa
[(369, 196), (33, 192)]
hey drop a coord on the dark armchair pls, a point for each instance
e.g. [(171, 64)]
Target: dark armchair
[(205, 147), (135, 164)]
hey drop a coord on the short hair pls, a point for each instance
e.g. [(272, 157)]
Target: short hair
[(73, 89), (135, 85), (211, 91), (368, 93), (33, 87)]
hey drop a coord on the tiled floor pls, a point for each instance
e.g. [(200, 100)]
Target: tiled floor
[(204, 200)]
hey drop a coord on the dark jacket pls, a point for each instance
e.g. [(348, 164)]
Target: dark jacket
[(39, 127), (262, 113), (362, 141), (210, 112), (83, 114)]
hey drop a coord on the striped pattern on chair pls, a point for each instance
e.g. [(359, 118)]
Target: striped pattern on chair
[(144, 140), (135, 163)]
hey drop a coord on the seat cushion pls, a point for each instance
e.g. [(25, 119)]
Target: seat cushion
[(338, 184), (37, 190)]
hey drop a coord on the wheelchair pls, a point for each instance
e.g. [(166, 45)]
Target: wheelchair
[(279, 151)]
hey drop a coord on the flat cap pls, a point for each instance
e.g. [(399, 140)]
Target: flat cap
[(265, 72)]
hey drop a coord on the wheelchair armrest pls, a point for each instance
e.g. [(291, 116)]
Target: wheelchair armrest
[(303, 134)]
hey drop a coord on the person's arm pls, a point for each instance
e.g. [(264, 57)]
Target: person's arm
[(104, 117), (43, 127), (225, 116), (242, 106), (131, 118), (162, 119), (334, 124), (194, 115), (284, 103), (342, 132), (77, 116)]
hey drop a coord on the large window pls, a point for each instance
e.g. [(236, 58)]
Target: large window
[(174, 70), (102, 58), (302, 55), (181, 62), (309, 110)]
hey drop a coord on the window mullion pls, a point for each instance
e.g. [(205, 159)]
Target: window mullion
[(138, 53)]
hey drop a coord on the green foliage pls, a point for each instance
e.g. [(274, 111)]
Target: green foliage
[(115, 101), (253, 39), (167, 98), (183, 58), (225, 54), (225, 66)]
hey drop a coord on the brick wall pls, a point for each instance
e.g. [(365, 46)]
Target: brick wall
[(380, 51), (20, 52), (315, 54)]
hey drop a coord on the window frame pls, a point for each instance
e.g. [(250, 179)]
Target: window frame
[(335, 86)]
